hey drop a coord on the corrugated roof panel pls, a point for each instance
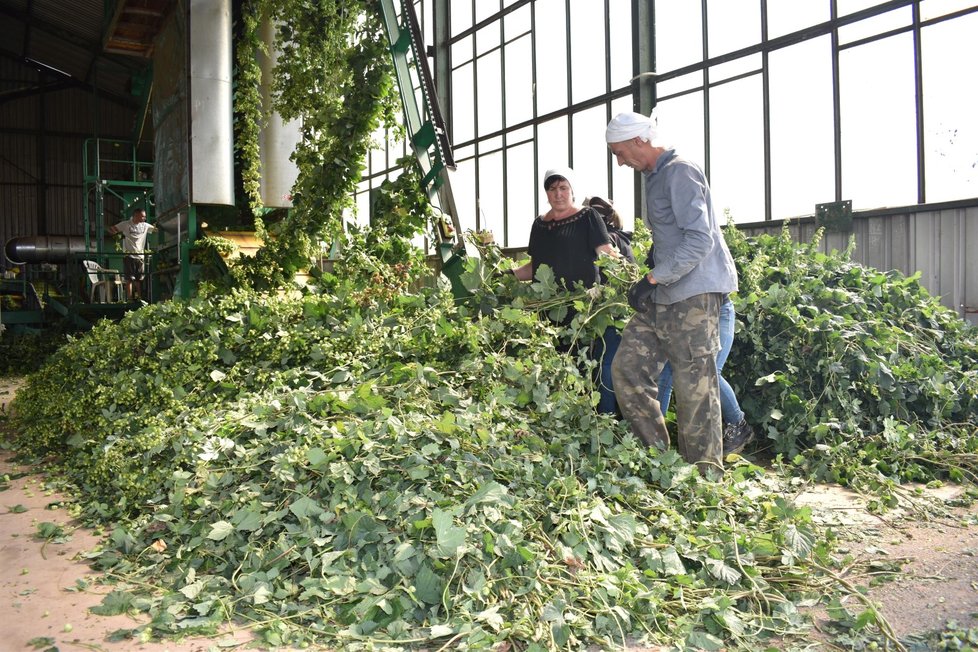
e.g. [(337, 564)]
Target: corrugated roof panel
[(115, 79), (79, 18), (12, 35), (65, 36), (14, 74), (116, 121), (20, 114), (70, 112), (60, 55), (968, 278), (19, 162), (19, 183), (63, 161), (65, 214)]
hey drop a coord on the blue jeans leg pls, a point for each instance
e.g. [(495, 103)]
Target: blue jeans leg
[(728, 400), (665, 387), (607, 348)]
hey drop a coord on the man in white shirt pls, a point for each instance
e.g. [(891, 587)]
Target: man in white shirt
[(134, 232)]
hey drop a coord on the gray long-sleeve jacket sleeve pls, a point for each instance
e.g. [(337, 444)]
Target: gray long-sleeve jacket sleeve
[(691, 256)]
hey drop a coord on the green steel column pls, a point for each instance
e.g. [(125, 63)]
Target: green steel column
[(99, 217), (185, 276), (643, 28), (86, 188), (443, 58), (643, 89)]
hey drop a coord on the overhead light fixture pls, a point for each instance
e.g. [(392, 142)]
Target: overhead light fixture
[(35, 62)]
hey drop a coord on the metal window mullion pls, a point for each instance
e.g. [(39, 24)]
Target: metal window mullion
[(766, 114), (505, 123), (918, 65), (836, 99), (607, 88), (590, 103), (443, 60), (535, 117), (475, 129), (443, 67), (644, 91), (504, 132), (705, 30), (570, 81), (42, 165), (486, 21), (643, 60), (787, 40)]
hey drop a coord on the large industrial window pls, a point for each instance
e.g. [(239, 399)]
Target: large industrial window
[(530, 89), (950, 101), (785, 104)]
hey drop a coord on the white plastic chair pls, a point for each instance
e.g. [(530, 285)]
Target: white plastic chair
[(102, 281)]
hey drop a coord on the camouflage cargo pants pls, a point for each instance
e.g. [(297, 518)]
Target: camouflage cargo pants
[(686, 334)]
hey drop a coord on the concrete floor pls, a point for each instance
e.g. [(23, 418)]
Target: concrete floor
[(46, 588)]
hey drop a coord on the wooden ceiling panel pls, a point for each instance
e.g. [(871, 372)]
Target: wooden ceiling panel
[(134, 26)]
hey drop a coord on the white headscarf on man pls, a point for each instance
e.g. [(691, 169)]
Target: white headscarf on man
[(628, 125)]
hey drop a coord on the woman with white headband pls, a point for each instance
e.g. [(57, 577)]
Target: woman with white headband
[(677, 304), (569, 238)]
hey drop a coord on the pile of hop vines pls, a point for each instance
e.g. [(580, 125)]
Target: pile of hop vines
[(363, 469), (855, 375)]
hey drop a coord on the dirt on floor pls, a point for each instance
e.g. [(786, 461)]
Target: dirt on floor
[(937, 557), (47, 589)]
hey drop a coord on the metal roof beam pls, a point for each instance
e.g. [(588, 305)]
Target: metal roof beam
[(67, 81), (93, 47)]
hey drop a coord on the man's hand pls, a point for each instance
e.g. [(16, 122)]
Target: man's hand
[(640, 295)]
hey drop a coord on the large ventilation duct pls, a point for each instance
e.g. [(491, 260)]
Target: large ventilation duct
[(33, 249), (191, 108), (277, 139), (211, 135)]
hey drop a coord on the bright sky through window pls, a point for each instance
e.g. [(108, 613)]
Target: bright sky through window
[(532, 87)]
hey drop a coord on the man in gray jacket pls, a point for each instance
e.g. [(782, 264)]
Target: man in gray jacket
[(677, 303)]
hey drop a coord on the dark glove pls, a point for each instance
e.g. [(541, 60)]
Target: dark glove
[(641, 294)]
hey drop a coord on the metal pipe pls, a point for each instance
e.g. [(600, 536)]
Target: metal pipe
[(24, 250), (211, 135), (278, 138)]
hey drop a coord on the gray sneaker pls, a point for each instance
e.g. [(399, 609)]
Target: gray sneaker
[(736, 436)]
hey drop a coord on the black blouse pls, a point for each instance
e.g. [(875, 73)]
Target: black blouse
[(568, 246)]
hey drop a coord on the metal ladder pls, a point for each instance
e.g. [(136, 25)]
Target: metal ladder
[(426, 132)]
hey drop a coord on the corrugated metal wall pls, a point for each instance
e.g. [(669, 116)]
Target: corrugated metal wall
[(934, 242), (41, 141)]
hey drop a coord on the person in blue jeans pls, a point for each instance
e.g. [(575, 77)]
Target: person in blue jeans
[(605, 348), (737, 433)]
